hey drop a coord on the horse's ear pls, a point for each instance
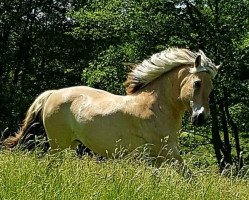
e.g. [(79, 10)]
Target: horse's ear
[(198, 61)]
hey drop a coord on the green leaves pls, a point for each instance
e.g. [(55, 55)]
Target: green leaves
[(54, 44), (107, 72)]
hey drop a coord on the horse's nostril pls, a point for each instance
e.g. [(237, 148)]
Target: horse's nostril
[(198, 120), (201, 118)]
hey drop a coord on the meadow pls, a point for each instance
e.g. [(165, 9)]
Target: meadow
[(25, 175), (53, 44)]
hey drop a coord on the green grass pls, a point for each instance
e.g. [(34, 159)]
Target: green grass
[(64, 176)]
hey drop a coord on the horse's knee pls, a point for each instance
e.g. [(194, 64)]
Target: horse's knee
[(180, 165), (178, 157), (175, 154)]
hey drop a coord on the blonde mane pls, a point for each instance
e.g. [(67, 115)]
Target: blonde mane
[(164, 61)]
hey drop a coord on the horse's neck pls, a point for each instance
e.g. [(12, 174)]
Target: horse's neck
[(167, 92)]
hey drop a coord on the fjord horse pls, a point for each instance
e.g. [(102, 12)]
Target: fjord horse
[(159, 91)]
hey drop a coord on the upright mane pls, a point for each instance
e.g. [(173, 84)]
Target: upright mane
[(163, 62)]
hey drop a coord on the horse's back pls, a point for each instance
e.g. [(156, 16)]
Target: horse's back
[(68, 95)]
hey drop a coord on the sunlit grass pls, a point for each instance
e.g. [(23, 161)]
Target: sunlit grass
[(64, 176)]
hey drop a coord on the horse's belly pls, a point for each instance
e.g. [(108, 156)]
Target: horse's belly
[(106, 136), (106, 146)]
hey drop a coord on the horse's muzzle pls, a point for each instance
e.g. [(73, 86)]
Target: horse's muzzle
[(198, 119)]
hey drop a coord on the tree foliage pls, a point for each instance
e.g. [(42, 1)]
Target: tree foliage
[(53, 44)]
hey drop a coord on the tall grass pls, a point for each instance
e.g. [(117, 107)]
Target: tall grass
[(64, 176)]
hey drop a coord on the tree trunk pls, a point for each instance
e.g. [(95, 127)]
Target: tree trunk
[(227, 146), (216, 140), (234, 129)]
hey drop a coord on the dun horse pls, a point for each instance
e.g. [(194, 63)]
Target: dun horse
[(159, 91)]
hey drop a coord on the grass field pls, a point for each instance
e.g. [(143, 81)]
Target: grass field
[(64, 176)]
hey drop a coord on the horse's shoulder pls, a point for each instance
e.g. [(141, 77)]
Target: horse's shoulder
[(141, 105)]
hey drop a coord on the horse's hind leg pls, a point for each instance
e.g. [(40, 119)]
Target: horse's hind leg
[(61, 142), (57, 123), (60, 136)]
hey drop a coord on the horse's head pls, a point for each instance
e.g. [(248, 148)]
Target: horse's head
[(195, 91)]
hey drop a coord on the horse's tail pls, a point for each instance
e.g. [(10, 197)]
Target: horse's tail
[(33, 114)]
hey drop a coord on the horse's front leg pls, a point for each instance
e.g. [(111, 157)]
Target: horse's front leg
[(172, 156)]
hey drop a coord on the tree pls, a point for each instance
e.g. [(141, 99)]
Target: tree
[(35, 54), (53, 44)]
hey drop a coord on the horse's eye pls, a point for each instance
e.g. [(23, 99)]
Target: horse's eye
[(197, 84)]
